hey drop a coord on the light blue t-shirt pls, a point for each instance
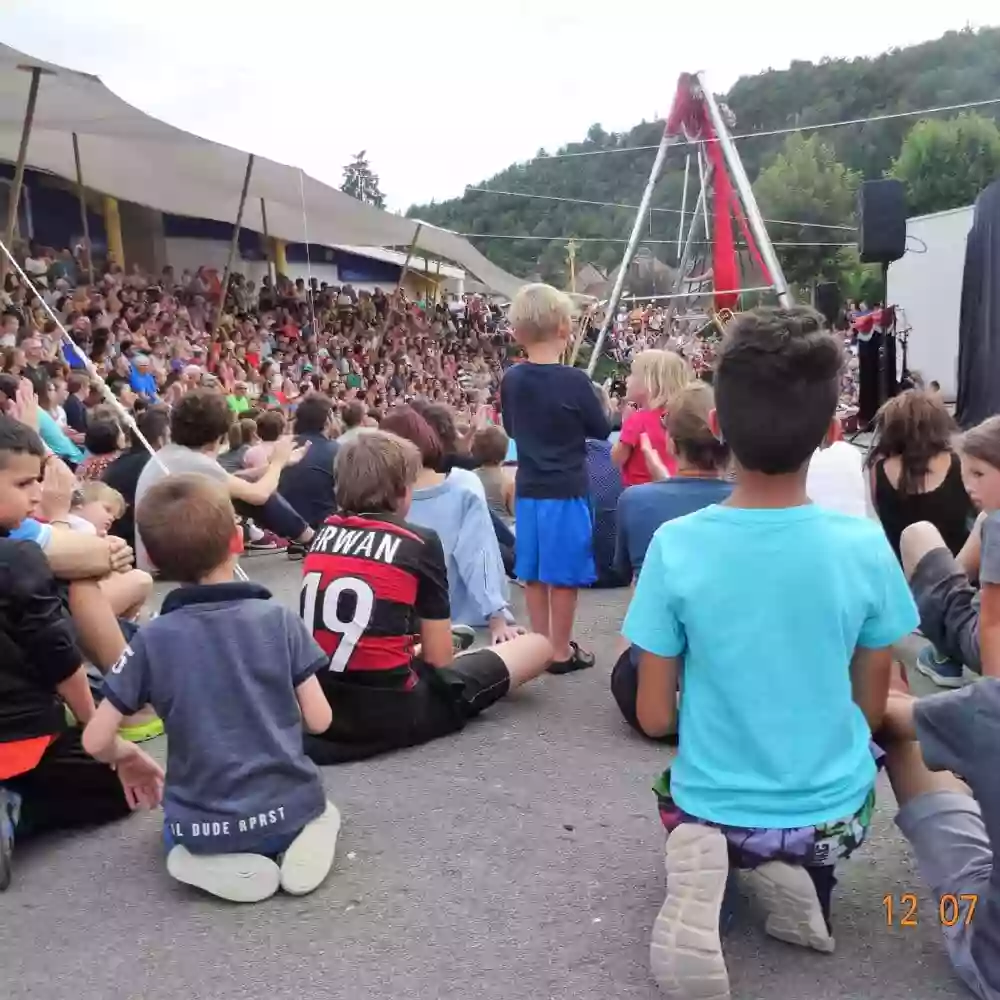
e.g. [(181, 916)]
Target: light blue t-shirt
[(56, 440), (766, 607), (30, 530)]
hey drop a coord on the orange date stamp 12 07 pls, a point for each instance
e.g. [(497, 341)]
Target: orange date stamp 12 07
[(953, 909)]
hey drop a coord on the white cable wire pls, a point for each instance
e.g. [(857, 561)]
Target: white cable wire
[(668, 211), (610, 239), (92, 371), (785, 131)]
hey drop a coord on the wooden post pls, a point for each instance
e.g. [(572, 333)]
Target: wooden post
[(267, 243), (234, 244), (406, 263), (22, 155), (82, 195)]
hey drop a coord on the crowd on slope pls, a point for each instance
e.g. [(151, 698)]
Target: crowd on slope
[(414, 529)]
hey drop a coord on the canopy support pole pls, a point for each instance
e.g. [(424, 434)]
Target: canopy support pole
[(406, 263), (234, 244), (647, 196), (22, 155), (267, 243), (82, 195)]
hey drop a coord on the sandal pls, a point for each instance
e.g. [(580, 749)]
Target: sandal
[(580, 660)]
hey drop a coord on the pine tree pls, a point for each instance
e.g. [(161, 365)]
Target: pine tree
[(361, 182)]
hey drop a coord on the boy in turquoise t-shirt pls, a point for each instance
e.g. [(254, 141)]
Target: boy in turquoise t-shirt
[(780, 615)]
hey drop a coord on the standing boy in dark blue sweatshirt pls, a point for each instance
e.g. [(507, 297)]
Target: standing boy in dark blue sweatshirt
[(550, 410)]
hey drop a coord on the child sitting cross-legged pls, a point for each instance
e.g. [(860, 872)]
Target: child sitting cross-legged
[(233, 676), (780, 616), (375, 596)]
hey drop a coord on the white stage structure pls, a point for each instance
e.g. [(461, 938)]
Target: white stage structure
[(57, 119), (725, 201)]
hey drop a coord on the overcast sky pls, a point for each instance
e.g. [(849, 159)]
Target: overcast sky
[(447, 93)]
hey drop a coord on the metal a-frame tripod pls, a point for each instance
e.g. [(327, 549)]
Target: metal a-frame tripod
[(725, 197)]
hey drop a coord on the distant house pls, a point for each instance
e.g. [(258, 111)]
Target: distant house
[(586, 276)]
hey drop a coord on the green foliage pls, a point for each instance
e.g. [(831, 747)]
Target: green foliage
[(945, 164), (807, 183), (361, 182), (959, 67)]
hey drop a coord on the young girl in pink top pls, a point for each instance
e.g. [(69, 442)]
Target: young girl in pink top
[(656, 377)]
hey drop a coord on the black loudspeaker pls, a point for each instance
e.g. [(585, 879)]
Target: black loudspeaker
[(881, 221), (828, 300)]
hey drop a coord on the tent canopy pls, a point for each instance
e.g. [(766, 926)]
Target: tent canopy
[(130, 155)]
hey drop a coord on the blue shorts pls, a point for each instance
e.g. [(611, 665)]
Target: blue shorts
[(555, 542)]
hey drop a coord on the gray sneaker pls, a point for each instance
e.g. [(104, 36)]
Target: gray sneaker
[(685, 949), (10, 812), (462, 638)]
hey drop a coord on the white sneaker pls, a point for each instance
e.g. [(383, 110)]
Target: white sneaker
[(309, 857), (685, 951), (793, 911), (240, 878)]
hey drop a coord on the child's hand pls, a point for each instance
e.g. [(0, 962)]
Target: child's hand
[(654, 464), (120, 554), (58, 483), (140, 775), (25, 407), (502, 632)]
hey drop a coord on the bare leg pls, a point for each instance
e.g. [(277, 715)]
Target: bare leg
[(563, 605), (536, 597), (915, 542), (525, 657), (910, 777), (100, 634)]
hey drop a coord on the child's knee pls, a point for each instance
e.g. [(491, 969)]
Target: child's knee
[(141, 584), (916, 541)]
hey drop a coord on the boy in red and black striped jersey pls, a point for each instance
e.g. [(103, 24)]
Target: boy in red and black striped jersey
[(375, 597)]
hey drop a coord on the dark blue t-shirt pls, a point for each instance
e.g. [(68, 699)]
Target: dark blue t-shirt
[(642, 509), (550, 411)]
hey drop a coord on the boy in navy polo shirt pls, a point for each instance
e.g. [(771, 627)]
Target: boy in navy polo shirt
[(550, 410), (233, 676)]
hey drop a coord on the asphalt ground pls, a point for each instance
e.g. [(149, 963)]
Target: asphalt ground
[(520, 858)]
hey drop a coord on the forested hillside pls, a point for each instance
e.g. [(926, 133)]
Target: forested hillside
[(810, 176)]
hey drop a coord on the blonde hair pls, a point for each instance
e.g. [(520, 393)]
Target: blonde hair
[(94, 491), (663, 375), (538, 312)]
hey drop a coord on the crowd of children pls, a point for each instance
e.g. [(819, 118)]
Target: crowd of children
[(760, 632)]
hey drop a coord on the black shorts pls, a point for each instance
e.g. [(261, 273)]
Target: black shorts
[(625, 689), (369, 719), (948, 606), (68, 789)]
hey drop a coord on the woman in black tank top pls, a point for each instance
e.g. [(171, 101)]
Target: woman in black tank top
[(916, 429)]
